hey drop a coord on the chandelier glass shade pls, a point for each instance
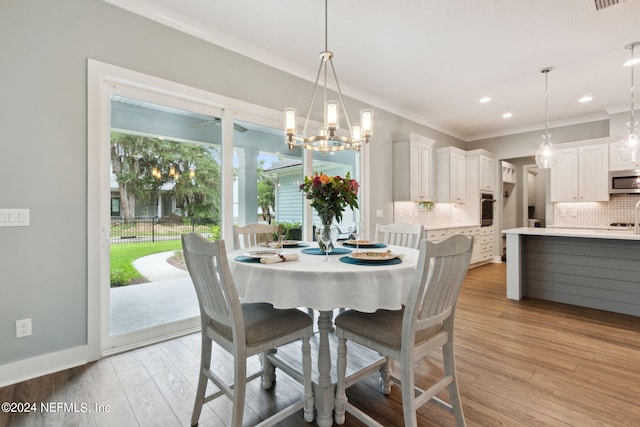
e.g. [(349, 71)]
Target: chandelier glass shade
[(546, 152), (328, 139), (629, 148)]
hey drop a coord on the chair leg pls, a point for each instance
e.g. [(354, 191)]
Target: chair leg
[(308, 389), (268, 370), (408, 392), (341, 370), (203, 380), (239, 388), (450, 370)]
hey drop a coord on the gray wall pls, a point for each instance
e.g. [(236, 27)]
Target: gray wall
[(43, 119), (525, 144)]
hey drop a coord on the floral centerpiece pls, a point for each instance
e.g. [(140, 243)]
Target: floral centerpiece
[(330, 195)]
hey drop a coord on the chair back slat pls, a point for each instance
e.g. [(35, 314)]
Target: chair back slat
[(252, 234), (441, 270), (209, 270), (399, 234)]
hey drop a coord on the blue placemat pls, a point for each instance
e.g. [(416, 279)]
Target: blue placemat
[(374, 245), (317, 251), (244, 258), (349, 260)]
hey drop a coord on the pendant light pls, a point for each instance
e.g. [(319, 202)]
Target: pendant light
[(628, 148), (327, 139), (546, 152)]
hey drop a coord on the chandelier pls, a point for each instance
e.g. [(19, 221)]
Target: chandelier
[(546, 153), (327, 139), (629, 149)]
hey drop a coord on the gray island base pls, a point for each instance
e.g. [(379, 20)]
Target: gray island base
[(589, 268)]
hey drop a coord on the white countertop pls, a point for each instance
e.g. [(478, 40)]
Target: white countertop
[(576, 232), (447, 226)]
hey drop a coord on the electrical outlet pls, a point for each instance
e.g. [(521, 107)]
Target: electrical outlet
[(23, 328), (379, 213)]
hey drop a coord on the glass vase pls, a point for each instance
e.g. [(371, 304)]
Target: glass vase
[(327, 231)]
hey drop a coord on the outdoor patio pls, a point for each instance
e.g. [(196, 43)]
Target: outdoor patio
[(167, 297)]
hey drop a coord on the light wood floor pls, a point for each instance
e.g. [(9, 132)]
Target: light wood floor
[(520, 363)]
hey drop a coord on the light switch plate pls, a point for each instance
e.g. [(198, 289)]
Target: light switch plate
[(14, 217), (23, 328)]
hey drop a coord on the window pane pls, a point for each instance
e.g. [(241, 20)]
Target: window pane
[(339, 163), (267, 178)]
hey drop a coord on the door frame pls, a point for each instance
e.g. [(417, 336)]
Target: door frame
[(102, 79)]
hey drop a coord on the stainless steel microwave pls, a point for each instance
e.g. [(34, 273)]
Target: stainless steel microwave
[(624, 182)]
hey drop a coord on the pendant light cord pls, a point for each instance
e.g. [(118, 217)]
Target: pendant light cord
[(546, 98), (633, 45), (546, 102)]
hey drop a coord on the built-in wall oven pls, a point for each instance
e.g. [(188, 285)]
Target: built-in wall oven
[(486, 209)]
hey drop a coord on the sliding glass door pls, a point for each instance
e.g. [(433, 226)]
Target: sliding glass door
[(165, 180)]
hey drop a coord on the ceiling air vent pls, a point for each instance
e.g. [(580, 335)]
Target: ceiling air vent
[(601, 4)]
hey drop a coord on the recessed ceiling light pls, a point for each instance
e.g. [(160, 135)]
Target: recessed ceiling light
[(507, 115), (585, 98), (484, 100), (631, 62)]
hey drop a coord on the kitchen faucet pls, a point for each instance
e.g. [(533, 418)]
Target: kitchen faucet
[(636, 228)]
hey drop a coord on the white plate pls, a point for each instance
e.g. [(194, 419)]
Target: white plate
[(285, 243), (262, 254), (372, 256), (361, 243)]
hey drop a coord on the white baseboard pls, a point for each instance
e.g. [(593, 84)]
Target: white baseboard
[(44, 364)]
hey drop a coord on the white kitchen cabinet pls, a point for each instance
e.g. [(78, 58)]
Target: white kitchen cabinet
[(479, 166), (482, 240), (581, 174), (486, 173), (616, 162), (412, 169), (450, 175)]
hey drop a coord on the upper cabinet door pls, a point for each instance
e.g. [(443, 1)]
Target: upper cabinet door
[(486, 173), (616, 162), (593, 173), (450, 175), (419, 171), (412, 169), (564, 176)]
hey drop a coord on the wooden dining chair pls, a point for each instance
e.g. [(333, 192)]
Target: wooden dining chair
[(252, 234), (424, 324), (399, 234), (243, 330)]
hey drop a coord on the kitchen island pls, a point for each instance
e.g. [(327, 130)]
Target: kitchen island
[(597, 268)]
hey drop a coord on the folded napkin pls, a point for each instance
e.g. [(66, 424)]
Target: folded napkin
[(279, 258)]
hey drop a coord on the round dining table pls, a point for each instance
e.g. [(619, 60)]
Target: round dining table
[(312, 282)]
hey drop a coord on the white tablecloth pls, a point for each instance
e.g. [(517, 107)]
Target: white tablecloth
[(311, 282)]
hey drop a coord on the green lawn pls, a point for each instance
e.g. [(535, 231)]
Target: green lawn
[(123, 255)]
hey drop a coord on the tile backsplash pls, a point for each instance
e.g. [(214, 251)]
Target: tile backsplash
[(620, 208), (441, 214)]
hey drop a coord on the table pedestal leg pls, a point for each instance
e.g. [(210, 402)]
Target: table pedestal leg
[(324, 390)]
